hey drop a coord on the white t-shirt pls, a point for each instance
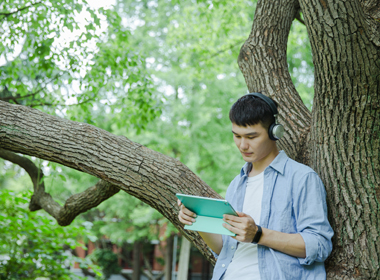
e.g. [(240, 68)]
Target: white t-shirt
[(245, 263)]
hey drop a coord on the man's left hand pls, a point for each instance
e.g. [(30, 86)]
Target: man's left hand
[(243, 225)]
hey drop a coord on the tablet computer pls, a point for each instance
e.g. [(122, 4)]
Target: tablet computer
[(209, 212)]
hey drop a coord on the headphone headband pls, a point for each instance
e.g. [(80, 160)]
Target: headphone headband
[(275, 130), (267, 100)]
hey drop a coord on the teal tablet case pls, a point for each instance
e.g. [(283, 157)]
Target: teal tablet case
[(209, 213)]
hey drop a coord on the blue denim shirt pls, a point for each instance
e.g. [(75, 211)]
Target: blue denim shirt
[(294, 201)]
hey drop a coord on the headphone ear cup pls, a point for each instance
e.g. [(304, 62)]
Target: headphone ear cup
[(276, 131), (270, 132)]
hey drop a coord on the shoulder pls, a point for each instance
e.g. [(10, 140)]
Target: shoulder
[(303, 177), (295, 168)]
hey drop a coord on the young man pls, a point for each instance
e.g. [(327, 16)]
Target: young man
[(282, 231)]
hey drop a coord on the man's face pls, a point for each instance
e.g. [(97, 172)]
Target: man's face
[(253, 142)]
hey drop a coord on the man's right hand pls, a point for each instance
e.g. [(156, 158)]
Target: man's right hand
[(214, 241), (185, 216)]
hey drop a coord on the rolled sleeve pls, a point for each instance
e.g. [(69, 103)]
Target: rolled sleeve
[(311, 219)]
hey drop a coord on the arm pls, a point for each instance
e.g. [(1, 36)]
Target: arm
[(245, 228), (214, 241), (312, 242)]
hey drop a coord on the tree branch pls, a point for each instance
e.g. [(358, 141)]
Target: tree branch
[(150, 176), (7, 14), (299, 18), (75, 204), (371, 11), (262, 60), (229, 47)]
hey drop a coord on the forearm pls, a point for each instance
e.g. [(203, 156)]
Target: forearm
[(214, 241), (291, 244)]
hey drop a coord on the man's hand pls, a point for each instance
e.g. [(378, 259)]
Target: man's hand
[(243, 225), (214, 241), (185, 216)]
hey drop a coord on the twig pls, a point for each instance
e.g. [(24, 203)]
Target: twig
[(299, 18), (18, 10)]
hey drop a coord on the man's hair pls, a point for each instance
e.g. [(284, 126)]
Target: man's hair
[(251, 110)]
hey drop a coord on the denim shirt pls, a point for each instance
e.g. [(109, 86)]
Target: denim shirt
[(294, 201)]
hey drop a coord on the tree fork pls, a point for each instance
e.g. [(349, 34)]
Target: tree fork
[(343, 143), (74, 205), (262, 61)]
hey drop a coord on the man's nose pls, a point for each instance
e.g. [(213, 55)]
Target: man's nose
[(243, 144)]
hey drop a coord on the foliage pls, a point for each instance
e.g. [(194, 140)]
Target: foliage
[(107, 260), (300, 62), (32, 244), (162, 73), (53, 60)]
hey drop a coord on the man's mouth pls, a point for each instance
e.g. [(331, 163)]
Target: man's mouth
[(246, 154)]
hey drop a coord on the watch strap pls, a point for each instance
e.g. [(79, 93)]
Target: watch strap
[(257, 236)]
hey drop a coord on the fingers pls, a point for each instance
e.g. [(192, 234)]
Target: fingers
[(243, 226), (241, 214), (185, 216), (232, 218)]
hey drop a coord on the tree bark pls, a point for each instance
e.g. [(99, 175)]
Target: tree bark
[(341, 138), (262, 61), (150, 176), (345, 134), (74, 205)]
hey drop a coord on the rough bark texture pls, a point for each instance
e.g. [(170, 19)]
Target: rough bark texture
[(74, 205), (150, 176), (345, 133), (262, 61), (341, 140)]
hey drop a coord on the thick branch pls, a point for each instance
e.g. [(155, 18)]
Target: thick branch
[(263, 63), (75, 204), (150, 176)]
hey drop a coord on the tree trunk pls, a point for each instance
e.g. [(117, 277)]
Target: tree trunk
[(184, 260), (343, 143), (345, 136), (339, 138), (136, 274), (169, 257)]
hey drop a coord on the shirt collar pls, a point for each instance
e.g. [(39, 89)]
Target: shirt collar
[(277, 164)]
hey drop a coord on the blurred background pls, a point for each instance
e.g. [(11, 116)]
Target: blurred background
[(161, 73)]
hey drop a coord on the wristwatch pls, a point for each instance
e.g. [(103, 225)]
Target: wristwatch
[(257, 236)]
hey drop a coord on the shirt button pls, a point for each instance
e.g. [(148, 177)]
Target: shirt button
[(223, 265), (232, 247)]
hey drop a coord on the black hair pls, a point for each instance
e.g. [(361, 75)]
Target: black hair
[(251, 110)]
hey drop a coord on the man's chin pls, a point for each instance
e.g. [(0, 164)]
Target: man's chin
[(247, 158)]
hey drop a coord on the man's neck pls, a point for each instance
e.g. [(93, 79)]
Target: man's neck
[(259, 166)]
